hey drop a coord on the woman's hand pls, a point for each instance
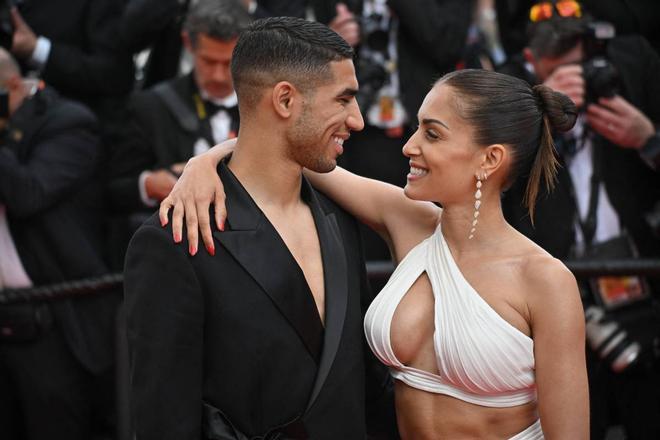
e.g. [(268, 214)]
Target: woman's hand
[(198, 187)]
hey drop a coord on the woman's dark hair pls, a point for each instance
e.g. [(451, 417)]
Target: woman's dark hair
[(508, 111)]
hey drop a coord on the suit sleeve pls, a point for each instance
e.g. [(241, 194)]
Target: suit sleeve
[(65, 154), (437, 27), (165, 317), (143, 21), (651, 74), (101, 67), (133, 154)]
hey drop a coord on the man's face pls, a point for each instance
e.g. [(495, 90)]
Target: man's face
[(544, 66), (329, 113), (212, 59)]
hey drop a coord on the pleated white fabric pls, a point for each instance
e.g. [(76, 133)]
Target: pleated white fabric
[(481, 358)]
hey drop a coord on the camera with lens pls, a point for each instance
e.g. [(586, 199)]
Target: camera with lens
[(610, 341), (600, 76)]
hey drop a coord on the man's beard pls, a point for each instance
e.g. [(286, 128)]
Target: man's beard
[(305, 146)]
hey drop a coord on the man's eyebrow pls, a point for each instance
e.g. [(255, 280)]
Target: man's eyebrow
[(348, 92), (434, 121)]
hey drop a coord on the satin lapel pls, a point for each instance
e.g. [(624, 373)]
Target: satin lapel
[(336, 286), (251, 239)]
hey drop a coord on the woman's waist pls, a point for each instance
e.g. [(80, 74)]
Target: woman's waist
[(425, 416)]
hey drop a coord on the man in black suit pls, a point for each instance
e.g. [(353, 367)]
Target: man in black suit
[(73, 46), (55, 359), (605, 186), (265, 338), (156, 25), (179, 118)]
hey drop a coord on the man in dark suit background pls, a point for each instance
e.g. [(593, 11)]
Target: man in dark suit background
[(265, 338), (55, 359), (606, 185), (156, 25), (73, 46), (179, 118)]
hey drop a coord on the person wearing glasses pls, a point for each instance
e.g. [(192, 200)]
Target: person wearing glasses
[(628, 16), (468, 322), (608, 181)]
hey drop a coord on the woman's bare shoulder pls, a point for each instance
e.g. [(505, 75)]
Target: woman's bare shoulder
[(549, 285)]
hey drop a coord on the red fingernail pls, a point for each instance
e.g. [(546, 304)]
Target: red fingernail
[(211, 250), (163, 222), (177, 238), (192, 249), (222, 225)]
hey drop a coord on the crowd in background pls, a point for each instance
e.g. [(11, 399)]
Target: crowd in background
[(103, 101)]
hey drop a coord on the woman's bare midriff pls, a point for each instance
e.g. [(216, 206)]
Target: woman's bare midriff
[(427, 416)]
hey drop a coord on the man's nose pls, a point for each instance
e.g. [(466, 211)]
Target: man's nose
[(221, 73), (355, 122)]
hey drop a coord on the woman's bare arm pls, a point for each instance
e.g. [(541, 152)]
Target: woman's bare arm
[(381, 206), (557, 321)]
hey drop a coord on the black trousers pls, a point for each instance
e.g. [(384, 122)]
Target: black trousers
[(46, 394)]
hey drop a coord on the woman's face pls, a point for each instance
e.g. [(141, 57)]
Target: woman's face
[(443, 156)]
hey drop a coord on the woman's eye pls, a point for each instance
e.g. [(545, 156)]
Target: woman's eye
[(431, 134)]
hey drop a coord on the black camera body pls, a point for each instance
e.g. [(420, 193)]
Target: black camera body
[(600, 75)]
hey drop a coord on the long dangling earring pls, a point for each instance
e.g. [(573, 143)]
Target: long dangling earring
[(477, 203)]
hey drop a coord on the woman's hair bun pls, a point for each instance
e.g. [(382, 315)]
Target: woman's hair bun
[(560, 109)]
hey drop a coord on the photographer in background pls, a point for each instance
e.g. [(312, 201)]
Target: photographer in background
[(606, 185), (56, 377)]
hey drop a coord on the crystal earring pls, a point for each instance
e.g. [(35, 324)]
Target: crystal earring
[(477, 202)]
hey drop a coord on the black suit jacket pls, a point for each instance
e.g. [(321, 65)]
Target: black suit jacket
[(48, 166), (153, 138), (85, 62), (240, 331), (631, 185)]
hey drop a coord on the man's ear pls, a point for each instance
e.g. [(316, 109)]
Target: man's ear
[(528, 55), (285, 98)]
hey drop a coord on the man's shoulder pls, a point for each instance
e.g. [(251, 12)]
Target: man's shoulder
[(62, 111), (154, 94), (630, 50)]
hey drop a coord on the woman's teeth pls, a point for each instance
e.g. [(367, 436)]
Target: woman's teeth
[(418, 171)]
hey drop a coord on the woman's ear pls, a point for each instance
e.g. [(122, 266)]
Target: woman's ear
[(285, 97), (495, 157)]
